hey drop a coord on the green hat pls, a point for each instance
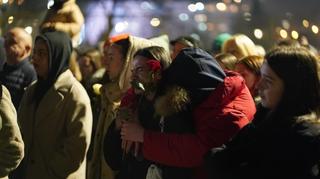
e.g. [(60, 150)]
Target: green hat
[(219, 40)]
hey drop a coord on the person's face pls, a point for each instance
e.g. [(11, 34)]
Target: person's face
[(86, 66), (15, 47), (250, 78), (40, 58), (177, 47), (115, 62), (141, 72), (270, 87)]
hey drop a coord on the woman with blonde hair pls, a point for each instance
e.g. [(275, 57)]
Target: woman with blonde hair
[(249, 69), (226, 60), (240, 46)]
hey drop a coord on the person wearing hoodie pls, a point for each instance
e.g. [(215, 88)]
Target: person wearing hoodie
[(218, 105), (147, 67), (11, 144), (118, 58), (283, 141), (55, 114)]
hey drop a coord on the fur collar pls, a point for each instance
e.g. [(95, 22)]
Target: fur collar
[(173, 101)]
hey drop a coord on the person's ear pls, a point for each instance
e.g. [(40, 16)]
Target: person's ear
[(28, 49)]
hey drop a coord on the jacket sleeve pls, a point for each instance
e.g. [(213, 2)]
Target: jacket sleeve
[(70, 155), (112, 148), (187, 150), (11, 144)]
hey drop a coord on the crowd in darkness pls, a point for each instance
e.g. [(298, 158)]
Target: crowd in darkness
[(153, 108)]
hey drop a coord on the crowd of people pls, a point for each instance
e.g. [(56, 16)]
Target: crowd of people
[(155, 109)]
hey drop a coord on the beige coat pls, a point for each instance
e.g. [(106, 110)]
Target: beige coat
[(11, 144), (68, 19), (57, 133), (111, 97)]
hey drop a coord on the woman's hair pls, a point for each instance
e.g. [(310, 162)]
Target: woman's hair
[(124, 44), (157, 53), (252, 62), (227, 60), (297, 68), (240, 43)]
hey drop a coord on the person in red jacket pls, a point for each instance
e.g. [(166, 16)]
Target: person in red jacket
[(221, 105)]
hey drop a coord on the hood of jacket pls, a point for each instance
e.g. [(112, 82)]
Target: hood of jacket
[(59, 51), (135, 44), (196, 71)]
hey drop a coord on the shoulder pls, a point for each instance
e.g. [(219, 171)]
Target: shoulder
[(68, 85), (28, 68), (6, 107)]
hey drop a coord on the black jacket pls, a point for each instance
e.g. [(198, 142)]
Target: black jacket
[(16, 78), (281, 149), (131, 167)]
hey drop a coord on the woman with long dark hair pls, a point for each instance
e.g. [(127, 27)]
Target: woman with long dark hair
[(284, 139)]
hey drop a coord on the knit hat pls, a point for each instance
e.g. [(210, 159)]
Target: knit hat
[(218, 42)]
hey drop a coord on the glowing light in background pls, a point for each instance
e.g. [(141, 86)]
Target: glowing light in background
[(5, 1), (200, 18), (305, 23), (28, 29), (237, 1), (183, 17), (199, 6), (233, 8), (10, 20), (221, 6), (192, 7), (283, 33), (155, 22), (247, 16), (315, 29), (202, 26), (50, 4), (211, 26), (146, 5), (294, 34), (258, 33), (285, 24), (121, 26)]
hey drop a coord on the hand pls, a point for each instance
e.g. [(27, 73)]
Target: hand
[(132, 131), (124, 114), (126, 146)]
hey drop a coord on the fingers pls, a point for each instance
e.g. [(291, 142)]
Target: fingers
[(136, 148)]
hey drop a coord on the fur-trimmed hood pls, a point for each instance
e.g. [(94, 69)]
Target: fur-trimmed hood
[(175, 99)]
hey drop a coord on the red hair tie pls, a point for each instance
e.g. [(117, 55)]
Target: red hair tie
[(154, 65)]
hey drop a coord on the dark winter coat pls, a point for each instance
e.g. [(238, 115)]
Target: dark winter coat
[(281, 149)]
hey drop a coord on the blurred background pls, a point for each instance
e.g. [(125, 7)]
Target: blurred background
[(264, 21)]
